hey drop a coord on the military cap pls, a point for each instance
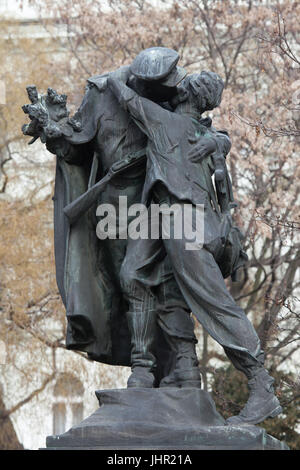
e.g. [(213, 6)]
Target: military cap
[(158, 64)]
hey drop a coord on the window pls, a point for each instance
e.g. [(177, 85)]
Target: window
[(68, 403), (3, 5)]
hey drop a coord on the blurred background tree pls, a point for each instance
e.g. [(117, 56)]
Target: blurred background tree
[(253, 46), (28, 292)]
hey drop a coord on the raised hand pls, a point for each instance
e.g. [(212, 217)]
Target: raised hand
[(203, 148)]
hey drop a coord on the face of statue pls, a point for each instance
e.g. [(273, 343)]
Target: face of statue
[(153, 90), (198, 93)]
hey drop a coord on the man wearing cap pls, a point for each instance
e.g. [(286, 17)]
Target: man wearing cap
[(87, 269)]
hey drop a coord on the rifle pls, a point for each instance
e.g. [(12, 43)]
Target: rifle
[(226, 203), (83, 203)]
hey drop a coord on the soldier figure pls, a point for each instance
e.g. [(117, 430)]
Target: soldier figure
[(127, 118), (173, 176), (100, 136)]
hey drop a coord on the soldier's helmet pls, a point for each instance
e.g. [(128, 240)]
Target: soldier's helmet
[(158, 64)]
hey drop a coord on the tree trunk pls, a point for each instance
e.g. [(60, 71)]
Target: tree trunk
[(8, 436)]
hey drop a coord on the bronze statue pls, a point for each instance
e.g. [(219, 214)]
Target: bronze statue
[(139, 133)]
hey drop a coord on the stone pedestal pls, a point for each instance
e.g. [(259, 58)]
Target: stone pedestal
[(162, 418)]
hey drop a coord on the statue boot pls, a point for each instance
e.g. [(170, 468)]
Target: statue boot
[(186, 372), (142, 326), (262, 402)]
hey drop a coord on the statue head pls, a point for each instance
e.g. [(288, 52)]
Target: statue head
[(198, 92), (156, 74)]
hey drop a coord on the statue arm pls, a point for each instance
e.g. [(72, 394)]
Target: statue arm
[(148, 116), (212, 141), (70, 153), (222, 145), (130, 102), (51, 123), (223, 142)]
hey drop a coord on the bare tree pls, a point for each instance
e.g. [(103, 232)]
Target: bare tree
[(252, 45)]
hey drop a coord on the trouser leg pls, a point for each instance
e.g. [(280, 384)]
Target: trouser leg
[(202, 285), (166, 307), (174, 318), (141, 316), (204, 289)]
